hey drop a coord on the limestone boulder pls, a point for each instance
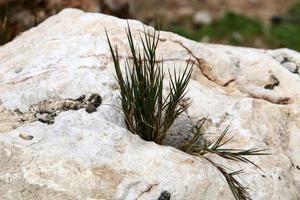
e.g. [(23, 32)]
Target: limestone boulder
[(62, 134)]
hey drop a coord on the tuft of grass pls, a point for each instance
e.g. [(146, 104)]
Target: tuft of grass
[(150, 115), (198, 146), (147, 112)]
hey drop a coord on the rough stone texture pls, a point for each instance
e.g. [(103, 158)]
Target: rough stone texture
[(90, 155)]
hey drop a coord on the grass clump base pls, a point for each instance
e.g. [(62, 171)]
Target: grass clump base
[(147, 113), (150, 114)]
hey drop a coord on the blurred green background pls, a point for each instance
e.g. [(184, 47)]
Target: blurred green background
[(250, 23)]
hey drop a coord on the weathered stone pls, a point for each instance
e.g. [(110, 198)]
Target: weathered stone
[(82, 155), (292, 67)]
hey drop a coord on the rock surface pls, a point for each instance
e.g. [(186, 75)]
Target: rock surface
[(62, 137)]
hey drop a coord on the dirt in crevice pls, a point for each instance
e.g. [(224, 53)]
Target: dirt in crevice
[(272, 83), (46, 111)]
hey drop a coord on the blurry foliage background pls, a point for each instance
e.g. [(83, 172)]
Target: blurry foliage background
[(252, 23)]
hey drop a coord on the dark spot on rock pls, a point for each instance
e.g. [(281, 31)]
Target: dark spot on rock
[(264, 176), (273, 83), (279, 178), (283, 101), (81, 98), (285, 59), (95, 99), (165, 195), (46, 121), (90, 108), (298, 167), (93, 103)]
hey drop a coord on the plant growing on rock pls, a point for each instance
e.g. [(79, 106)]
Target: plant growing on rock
[(198, 146), (147, 113), (150, 115)]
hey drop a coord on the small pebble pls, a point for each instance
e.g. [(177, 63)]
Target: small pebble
[(25, 136), (18, 70)]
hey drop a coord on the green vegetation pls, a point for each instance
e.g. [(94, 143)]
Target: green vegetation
[(284, 35), (287, 32), (236, 29), (232, 28), (295, 10), (148, 114), (198, 146)]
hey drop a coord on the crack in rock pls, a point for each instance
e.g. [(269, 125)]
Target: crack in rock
[(148, 189), (200, 61), (274, 82), (46, 111)]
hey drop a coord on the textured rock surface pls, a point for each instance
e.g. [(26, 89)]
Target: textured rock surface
[(59, 140)]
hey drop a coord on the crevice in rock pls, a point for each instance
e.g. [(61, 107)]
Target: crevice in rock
[(228, 82), (198, 60), (46, 111), (280, 100), (272, 83), (148, 189)]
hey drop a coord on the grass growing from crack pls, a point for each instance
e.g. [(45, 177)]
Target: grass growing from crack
[(150, 115), (197, 146), (147, 113)]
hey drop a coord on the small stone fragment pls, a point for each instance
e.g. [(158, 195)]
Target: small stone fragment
[(25, 136)]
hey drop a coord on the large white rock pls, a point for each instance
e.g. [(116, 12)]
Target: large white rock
[(51, 148)]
